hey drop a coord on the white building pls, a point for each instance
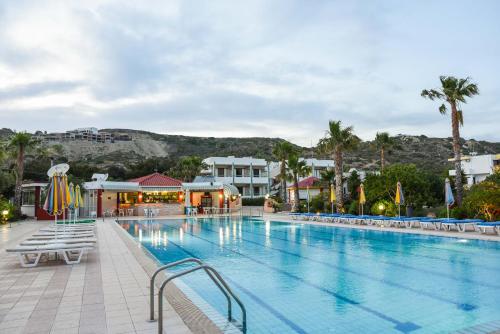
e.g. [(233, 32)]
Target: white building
[(250, 175), (317, 167), (478, 167)]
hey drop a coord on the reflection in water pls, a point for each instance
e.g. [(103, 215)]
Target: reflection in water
[(140, 234), (221, 236), (181, 234), (268, 233), (165, 239)]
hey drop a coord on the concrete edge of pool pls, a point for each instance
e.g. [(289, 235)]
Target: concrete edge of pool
[(206, 321)]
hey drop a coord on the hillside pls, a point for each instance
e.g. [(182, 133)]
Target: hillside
[(429, 153)]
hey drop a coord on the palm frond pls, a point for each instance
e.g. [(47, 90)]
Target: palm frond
[(442, 109)]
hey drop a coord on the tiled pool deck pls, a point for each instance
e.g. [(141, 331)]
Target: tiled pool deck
[(106, 293)]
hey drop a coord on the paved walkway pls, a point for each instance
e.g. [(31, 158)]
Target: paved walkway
[(106, 293)]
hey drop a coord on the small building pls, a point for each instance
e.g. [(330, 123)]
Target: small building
[(33, 197), (134, 197), (310, 185), (477, 167), (216, 196)]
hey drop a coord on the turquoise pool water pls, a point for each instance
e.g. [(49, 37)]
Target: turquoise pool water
[(296, 278)]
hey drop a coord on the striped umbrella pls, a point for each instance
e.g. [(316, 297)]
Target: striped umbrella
[(448, 196), (362, 197), (400, 199), (54, 202), (66, 198)]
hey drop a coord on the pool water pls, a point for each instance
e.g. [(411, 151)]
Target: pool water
[(302, 278)]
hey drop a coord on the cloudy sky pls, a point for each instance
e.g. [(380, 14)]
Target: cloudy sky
[(246, 68)]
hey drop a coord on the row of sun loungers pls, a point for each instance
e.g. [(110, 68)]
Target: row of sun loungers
[(69, 241), (460, 225)]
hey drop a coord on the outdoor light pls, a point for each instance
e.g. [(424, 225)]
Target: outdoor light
[(220, 195), (381, 207), (4, 216), (267, 196)]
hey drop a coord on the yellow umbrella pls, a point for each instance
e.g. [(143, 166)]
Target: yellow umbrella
[(362, 197), (78, 200), (332, 195), (400, 199)]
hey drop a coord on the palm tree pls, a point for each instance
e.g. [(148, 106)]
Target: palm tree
[(454, 92), (188, 168), (383, 142), (282, 151), (296, 168), (336, 142), (20, 143)]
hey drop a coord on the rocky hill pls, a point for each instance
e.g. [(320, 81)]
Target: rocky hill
[(429, 153)]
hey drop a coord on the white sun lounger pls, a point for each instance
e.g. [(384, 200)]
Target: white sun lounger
[(61, 236), (58, 241), (23, 252), (72, 229)]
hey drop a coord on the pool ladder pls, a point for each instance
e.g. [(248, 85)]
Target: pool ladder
[(214, 276)]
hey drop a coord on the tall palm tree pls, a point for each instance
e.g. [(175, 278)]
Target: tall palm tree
[(20, 143), (383, 142), (282, 151), (454, 92), (296, 168), (337, 141)]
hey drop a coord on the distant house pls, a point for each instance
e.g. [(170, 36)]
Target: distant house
[(477, 167), (310, 186)]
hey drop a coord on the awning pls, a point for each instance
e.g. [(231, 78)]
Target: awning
[(230, 190), (202, 186), (159, 189), (112, 185)]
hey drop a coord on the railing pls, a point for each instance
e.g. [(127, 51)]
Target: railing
[(214, 276)]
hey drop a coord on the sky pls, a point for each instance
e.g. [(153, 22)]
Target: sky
[(247, 68)]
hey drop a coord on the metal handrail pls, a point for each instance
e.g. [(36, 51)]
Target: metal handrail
[(188, 271), (176, 263)]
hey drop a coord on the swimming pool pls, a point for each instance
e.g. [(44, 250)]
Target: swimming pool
[(302, 278)]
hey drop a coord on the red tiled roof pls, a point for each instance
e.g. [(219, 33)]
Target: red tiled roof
[(308, 182), (157, 180)]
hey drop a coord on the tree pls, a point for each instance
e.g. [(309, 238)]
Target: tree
[(328, 176), (282, 151), (454, 92), (336, 142), (188, 168), (383, 142), (417, 185), (20, 143), (483, 199), (353, 183), (296, 168)]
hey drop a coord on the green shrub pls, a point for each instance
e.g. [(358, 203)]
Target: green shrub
[(6, 205), (257, 201), (384, 207), (317, 203)]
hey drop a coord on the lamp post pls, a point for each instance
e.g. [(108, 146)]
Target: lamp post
[(4, 217)]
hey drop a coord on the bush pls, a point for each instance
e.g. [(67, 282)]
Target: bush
[(317, 203), (384, 207), (257, 201), (483, 199), (6, 205)]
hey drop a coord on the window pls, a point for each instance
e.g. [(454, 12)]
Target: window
[(239, 172), (240, 190), (220, 172), (256, 191), (28, 197), (256, 172)]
